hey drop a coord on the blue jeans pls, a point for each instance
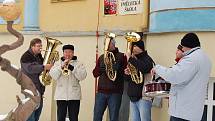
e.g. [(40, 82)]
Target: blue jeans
[(141, 110), (36, 114), (102, 101)]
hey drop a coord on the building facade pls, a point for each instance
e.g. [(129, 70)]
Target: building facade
[(83, 23)]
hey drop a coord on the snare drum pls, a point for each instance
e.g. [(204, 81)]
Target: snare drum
[(157, 89)]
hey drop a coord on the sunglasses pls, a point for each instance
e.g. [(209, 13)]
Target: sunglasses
[(180, 47)]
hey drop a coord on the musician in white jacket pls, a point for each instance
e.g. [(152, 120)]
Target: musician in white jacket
[(68, 89), (189, 79)]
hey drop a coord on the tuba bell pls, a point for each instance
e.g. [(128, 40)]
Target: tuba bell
[(133, 37), (109, 58), (50, 56)]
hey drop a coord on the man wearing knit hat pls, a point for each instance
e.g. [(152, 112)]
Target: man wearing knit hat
[(189, 79), (68, 72), (190, 40), (140, 105)]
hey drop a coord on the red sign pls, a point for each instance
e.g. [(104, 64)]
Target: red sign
[(110, 7)]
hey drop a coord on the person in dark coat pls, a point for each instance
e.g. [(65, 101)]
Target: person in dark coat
[(32, 66), (140, 105), (109, 93)]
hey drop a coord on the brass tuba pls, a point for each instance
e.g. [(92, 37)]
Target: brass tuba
[(133, 37), (50, 56), (109, 58)]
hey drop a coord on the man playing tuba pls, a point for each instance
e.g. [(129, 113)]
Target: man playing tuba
[(32, 66), (139, 64), (109, 92)]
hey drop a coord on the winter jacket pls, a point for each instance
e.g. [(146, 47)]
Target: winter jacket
[(143, 63), (68, 87), (189, 79), (32, 66), (105, 85)]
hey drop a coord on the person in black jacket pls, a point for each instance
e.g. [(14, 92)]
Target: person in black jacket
[(109, 93), (32, 66), (140, 105)]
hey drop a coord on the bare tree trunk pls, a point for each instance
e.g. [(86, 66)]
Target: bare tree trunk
[(27, 106)]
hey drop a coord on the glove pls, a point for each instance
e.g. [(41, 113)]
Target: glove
[(70, 67)]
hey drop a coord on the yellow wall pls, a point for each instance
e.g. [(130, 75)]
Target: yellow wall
[(81, 15)]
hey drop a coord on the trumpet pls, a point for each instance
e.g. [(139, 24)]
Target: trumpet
[(65, 69), (133, 37)]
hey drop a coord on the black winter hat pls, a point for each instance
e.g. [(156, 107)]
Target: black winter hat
[(71, 47), (140, 44), (190, 40)]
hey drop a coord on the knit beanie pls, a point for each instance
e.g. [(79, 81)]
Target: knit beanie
[(71, 47), (140, 44), (190, 40)]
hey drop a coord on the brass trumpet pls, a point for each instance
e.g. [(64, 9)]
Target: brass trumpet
[(65, 69), (133, 37), (109, 58)]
